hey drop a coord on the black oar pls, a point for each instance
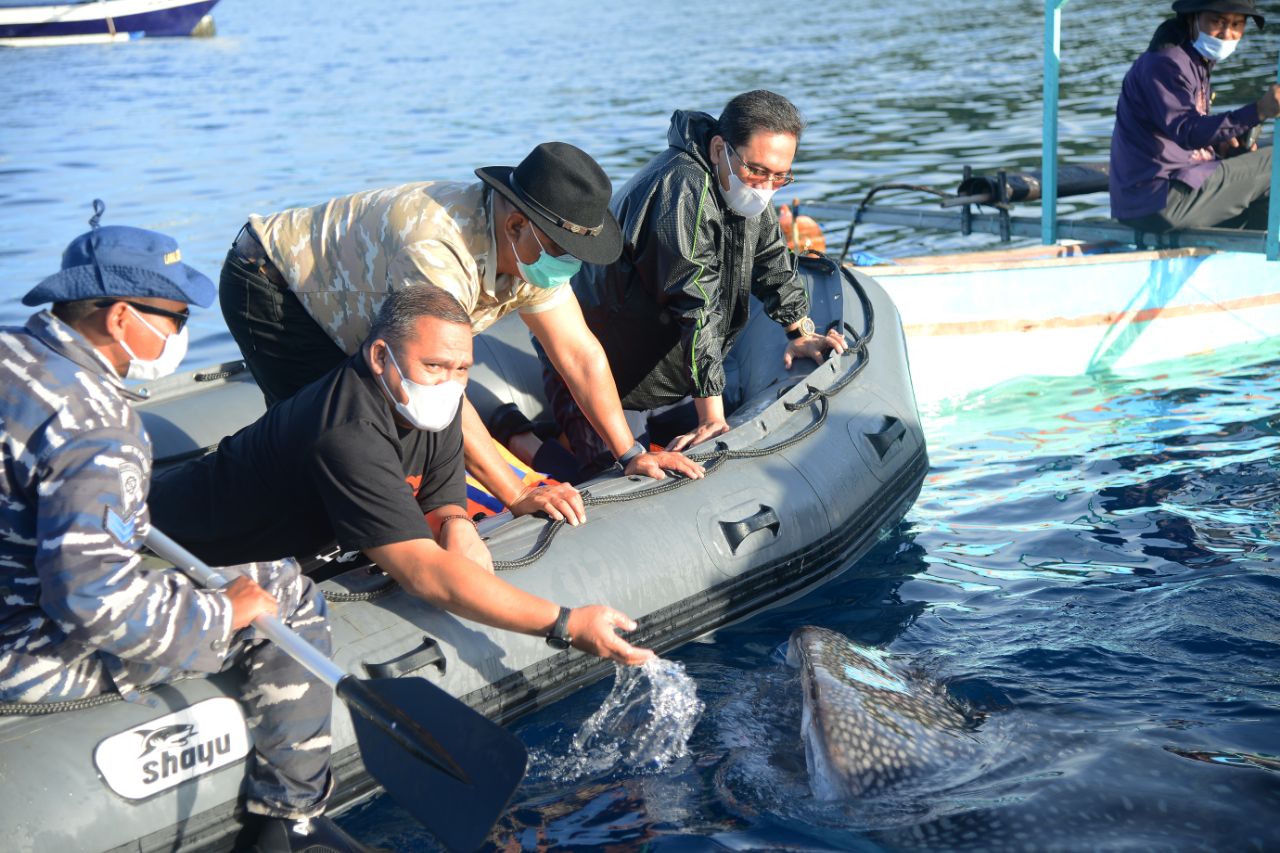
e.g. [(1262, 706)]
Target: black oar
[(456, 789)]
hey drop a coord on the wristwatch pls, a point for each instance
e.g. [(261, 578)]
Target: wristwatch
[(559, 637), (801, 331)]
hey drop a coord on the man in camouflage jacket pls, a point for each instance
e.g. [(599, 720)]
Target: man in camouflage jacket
[(81, 614)]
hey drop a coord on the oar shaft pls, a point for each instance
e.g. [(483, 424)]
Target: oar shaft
[(269, 626), (355, 693)]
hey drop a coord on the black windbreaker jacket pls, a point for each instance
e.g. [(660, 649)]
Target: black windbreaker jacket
[(669, 309)]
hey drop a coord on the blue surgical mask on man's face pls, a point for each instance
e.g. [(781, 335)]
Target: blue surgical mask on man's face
[(548, 270), (1215, 48)]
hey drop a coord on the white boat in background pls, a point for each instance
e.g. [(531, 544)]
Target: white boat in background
[(42, 24), (977, 320), (1096, 296)]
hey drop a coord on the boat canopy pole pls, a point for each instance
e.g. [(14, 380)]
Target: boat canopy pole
[(1273, 212), (1049, 151)]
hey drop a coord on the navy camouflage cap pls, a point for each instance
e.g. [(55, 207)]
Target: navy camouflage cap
[(120, 261)]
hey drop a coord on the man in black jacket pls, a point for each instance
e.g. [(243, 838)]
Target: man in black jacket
[(700, 237)]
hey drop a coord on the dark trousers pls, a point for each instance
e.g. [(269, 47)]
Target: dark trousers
[(284, 347), (657, 426), (1236, 195), (286, 708)]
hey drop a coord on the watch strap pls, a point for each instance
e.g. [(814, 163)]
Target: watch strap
[(559, 636), (637, 449)]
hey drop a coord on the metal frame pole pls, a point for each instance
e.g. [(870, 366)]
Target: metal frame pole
[(1273, 211), (1049, 151)]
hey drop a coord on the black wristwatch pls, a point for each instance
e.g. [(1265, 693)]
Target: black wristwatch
[(559, 637), (803, 330)]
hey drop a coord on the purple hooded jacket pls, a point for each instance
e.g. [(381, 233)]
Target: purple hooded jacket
[(1164, 130)]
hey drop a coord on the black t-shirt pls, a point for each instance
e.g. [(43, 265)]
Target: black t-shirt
[(327, 465)]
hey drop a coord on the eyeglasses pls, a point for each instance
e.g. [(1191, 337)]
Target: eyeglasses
[(179, 318), (759, 175)]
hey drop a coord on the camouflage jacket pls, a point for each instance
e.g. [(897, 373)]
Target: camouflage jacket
[(342, 257), (73, 514)]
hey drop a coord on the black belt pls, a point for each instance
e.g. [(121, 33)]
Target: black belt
[(248, 250)]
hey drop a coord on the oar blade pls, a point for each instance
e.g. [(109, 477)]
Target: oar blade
[(458, 814)]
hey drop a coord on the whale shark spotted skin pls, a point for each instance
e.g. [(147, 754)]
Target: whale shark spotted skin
[(867, 725)]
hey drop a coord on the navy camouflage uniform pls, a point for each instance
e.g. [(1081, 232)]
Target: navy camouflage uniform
[(80, 614)]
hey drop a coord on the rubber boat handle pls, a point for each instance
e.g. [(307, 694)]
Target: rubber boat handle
[(736, 532), (883, 440), (425, 655)]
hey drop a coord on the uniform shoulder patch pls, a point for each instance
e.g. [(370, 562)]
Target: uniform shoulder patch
[(123, 531), (130, 485)]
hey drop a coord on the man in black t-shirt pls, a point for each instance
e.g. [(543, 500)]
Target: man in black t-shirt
[(370, 457)]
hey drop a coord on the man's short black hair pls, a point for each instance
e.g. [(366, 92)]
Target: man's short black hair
[(397, 318), (755, 111), (74, 313)]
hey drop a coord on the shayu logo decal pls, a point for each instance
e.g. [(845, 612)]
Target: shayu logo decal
[(161, 753), (168, 736)]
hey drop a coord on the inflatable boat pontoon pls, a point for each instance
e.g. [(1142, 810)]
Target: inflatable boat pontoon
[(820, 462)]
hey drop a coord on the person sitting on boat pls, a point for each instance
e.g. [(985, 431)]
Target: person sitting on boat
[(1173, 165), (300, 288), (358, 457), (81, 615), (669, 309)]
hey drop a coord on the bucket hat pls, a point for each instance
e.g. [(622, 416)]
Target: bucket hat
[(118, 260), (566, 194), (1229, 7)]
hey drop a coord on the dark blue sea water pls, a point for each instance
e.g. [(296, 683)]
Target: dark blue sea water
[(1091, 562)]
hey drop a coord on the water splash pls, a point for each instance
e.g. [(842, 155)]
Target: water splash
[(644, 724)]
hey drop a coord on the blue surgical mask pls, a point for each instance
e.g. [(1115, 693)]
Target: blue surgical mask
[(548, 270), (1215, 48)]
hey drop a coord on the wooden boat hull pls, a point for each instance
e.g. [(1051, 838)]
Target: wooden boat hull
[(975, 321)]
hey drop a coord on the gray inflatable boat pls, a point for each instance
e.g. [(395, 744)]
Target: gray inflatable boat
[(821, 460)]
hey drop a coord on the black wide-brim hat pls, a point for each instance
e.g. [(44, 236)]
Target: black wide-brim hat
[(117, 261), (566, 194), (1226, 7)]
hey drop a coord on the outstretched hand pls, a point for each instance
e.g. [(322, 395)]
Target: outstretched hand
[(706, 430), (593, 631), (815, 347), (655, 464), (558, 500)]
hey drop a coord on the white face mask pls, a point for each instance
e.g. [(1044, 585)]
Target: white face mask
[(431, 407), (1215, 48), (742, 199), (171, 355)]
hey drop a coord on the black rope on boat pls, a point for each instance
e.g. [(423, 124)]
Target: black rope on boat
[(35, 709), (713, 460), (387, 587)]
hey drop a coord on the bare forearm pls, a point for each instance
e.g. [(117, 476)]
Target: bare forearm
[(709, 408), (483, 460), (461, 587), (587, 374)]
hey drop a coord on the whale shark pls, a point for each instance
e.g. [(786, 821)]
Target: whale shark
[(869, 723)]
